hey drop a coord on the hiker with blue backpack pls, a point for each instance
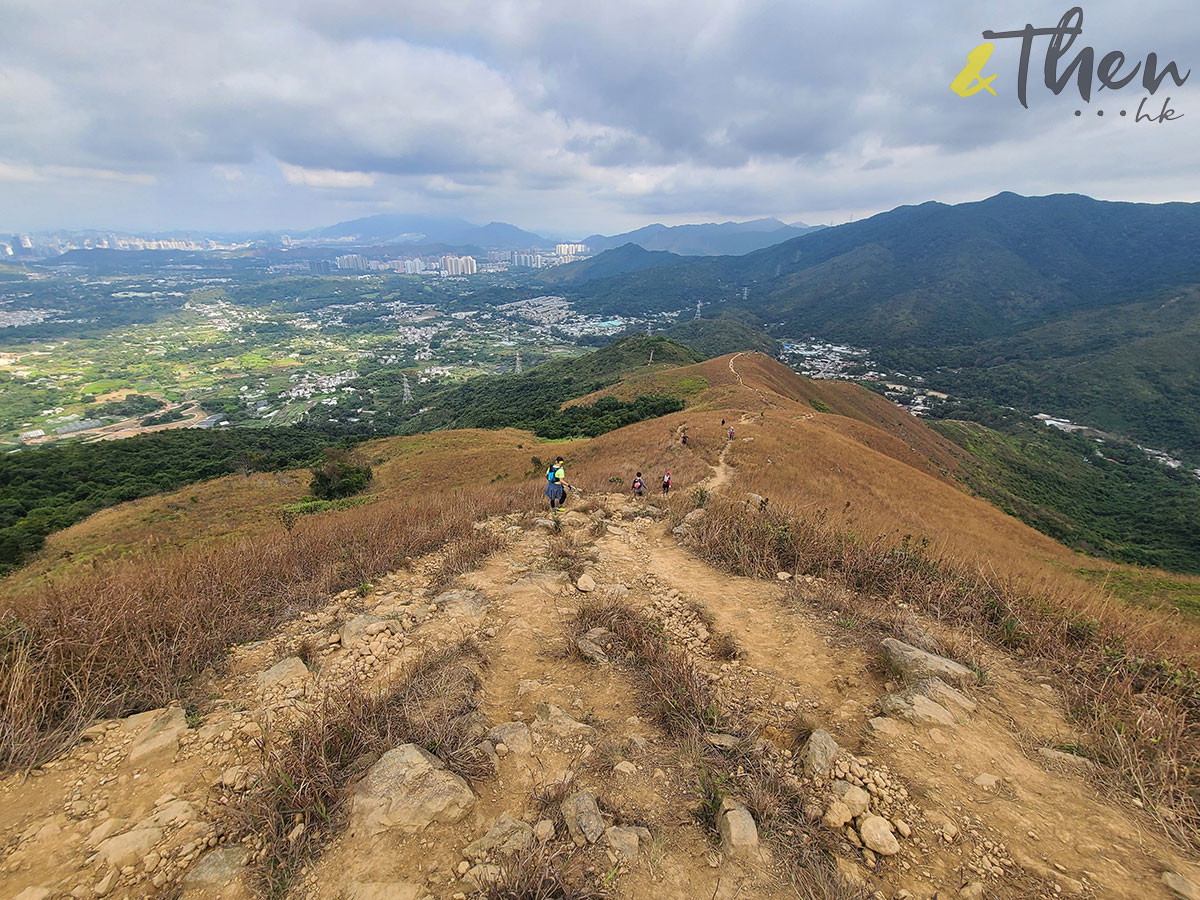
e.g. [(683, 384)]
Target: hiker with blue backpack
[(556, 484)]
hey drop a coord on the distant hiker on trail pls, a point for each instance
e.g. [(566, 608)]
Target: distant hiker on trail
[(667, 483), (556, 484), (639, 486), (722, 423), (731, 432), (684, 438)]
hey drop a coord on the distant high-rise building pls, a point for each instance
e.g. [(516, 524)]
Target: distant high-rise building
[(459, 265), (318, 266), (353, 261), (570, 249)]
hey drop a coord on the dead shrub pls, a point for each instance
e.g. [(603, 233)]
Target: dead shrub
[(541, 872), (725, 645), (132, 634), (298, 801), (567, 554), (465, 555)]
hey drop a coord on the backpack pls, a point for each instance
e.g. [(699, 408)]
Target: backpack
[(638, 484), (550, 474), (666, 479)]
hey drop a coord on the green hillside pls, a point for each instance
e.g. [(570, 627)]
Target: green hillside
[(531, 400), (1063, 302), (1106, 499)]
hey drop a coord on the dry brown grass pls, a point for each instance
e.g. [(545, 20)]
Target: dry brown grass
[(1132, 686), (541, 872), (567, 553), (464, 555), (299, 798), (133, 634), (680, 695)]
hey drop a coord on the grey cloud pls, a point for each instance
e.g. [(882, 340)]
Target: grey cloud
[(619, 111)]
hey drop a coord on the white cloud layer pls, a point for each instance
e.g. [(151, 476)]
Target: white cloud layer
[(569, 117)]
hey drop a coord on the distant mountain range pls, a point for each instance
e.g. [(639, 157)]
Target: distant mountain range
[(685, 240), (1061, 304), (405, 229), (726, 238)]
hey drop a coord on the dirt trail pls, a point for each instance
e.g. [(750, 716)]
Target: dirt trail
[(984, 807)]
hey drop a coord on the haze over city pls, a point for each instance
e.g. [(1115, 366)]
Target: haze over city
[(565, 120)]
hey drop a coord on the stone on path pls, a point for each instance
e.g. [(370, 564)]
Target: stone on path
[(591, 645), (1182, 886), (513, 735), (128, 849), (218, 874), (857, 800), (876, 833), (586, 583), (624, 840), (410, 789), (960, 705), (462, 604), (384, 890), (739, 834), (287, 671), (916, 708), (507, 835), (582, 817), (820, 750), (160, 736), (915, 664), (551, 718)]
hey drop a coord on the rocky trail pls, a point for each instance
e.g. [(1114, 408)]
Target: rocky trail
[(927, 781)]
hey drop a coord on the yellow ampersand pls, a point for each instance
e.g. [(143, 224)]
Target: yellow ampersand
[(968, 82)]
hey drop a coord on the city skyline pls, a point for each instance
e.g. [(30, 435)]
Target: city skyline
[(260, 116)]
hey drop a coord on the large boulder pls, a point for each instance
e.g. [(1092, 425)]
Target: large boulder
[(914, 664), (408, 789)]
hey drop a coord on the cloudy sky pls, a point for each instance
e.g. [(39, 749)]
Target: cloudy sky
[(559, 117)]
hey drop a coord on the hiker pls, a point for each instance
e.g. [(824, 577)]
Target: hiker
[(685, 438), (639, 486), (556, 483), (722, 423), (667, 483), (731, 432)]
